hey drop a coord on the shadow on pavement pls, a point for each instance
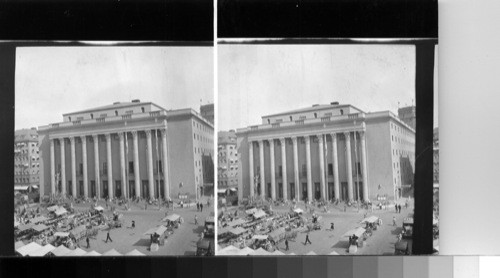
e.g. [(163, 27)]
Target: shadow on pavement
[(341, 244), (397, 231), (198, 229), (142, 242)]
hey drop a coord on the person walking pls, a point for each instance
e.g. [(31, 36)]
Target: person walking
[(108, 237), (197, 206), (133, 224), (286, 244), (201, 207), (394, 221), (332, 226), (88, 243), (196, 219), (307, 239)]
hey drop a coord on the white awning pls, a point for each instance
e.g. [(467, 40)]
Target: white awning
[(28, 248), (42, 251), (112, 252), (134, 253), (61, 250), (93, 253)]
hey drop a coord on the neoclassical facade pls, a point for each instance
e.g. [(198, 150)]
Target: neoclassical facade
[(128, 150), (326, 152)]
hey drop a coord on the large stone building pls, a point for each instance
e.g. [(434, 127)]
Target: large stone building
[(227, 160), (329, 152), (26, 159), (126, 149)]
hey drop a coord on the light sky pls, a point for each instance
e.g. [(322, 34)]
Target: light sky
[(51, 81), (257, 80)]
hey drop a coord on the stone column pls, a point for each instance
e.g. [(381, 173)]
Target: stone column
[(110, 165), (95, 138), (73, 167), (63, 167), (335, 159), (349, 165), (363, 166), (84, 162), (137, 174), (122, 164), (273, 169), (296, 168), (52, 168), (308, 161), (322, 166), (262, 172), (150, 166), (283, 165), (166, 183), (251, 173)]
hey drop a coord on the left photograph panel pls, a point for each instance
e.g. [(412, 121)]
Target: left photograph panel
[(113, 150)]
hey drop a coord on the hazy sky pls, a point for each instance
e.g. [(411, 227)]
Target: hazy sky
[(51, 81), (256, 80)]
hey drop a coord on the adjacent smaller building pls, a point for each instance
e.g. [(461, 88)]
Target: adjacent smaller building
[(26, 160), (228, 160), (408, 115), (207, 112)]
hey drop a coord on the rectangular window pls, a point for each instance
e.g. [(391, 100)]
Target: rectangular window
[(130, 167), (81, 169), (304, 170), (330, 169), (105, 167), (280, 171), (359, 168)]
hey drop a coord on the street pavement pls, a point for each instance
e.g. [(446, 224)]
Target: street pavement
[(125, 239), (325, 241)]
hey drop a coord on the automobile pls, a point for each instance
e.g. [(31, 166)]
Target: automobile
[(407, 227), (205, 247), (209, 226), (402, 247)]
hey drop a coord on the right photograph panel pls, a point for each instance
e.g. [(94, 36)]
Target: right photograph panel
[(317, 148)]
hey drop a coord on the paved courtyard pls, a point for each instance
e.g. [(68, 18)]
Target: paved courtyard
[(125, 239), (325, 241)]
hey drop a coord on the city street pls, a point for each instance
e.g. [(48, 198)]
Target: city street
[(325, 241), (126, 238)]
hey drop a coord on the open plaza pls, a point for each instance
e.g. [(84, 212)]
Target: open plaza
[(264, 229), (68, 228)]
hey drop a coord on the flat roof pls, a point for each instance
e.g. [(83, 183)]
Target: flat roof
[(113, 106), (312, 108)]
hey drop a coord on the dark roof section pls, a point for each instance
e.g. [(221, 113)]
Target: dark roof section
[(114, 106), (315, 107)]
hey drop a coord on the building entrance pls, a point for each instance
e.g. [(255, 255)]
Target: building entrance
[(331, 191)]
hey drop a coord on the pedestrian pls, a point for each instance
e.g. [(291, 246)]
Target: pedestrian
[(197, 206), (396, 206), (406, 205), (307, 239), (133, 224), (399, 208), (286, 244), (108, 237), (201, 207), (400, 236), (196, 219), (332, 226), (394, 221), (88, 243)]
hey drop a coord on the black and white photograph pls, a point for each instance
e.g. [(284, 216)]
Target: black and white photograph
[(114, 150), (316, 148)]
